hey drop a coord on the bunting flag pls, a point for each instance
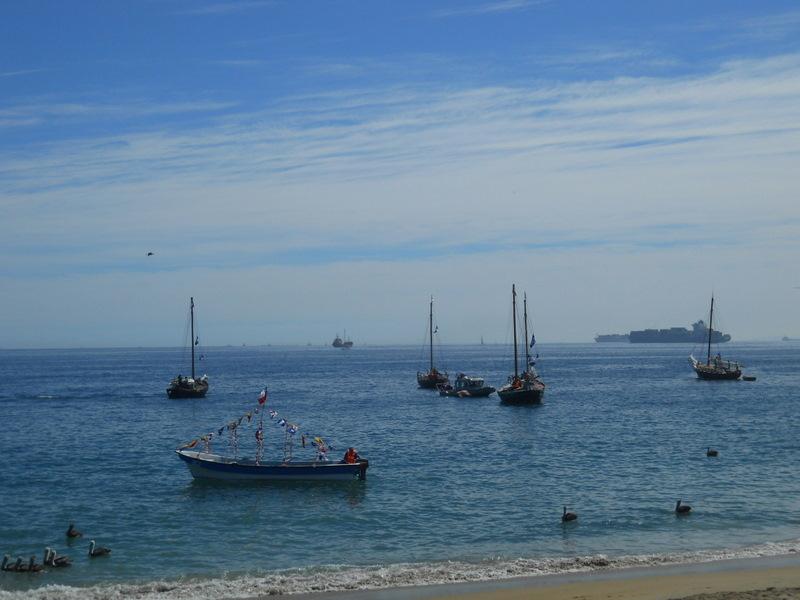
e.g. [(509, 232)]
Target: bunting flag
[(197, 341), (533, 340), (233, 426)]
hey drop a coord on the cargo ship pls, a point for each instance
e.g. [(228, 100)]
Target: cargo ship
[(674, 335)]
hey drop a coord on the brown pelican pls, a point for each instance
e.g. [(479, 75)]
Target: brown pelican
[(568, 516), (32, 566), (72, 532), (711, 452), (7, 566), (682, 509), (51, 559), (98, 551)]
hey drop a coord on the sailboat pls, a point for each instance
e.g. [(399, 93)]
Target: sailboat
[(525, 387), (715, 368), (433, 377), (189, 387)]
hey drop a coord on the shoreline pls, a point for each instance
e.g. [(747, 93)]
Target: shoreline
[(727, 579)]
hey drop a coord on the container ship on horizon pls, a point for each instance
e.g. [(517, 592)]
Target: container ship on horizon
[(673, 335)]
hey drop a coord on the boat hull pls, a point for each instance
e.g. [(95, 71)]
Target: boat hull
[(197, 390), (718, 370), (212, 466), (717, 375), (524, 395), (430, 381), (470, 393)]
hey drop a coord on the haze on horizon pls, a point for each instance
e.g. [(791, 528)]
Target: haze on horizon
[(302, 168)]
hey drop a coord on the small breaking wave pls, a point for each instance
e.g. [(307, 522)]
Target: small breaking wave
[(338, 578)]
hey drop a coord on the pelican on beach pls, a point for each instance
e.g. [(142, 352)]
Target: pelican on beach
[(98, 550), (682, 509), (568, 516)]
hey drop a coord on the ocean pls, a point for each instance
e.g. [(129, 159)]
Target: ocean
[(457, 489)]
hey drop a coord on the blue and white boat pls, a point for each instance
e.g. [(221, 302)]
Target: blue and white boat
[(206, 464), (203, 465)]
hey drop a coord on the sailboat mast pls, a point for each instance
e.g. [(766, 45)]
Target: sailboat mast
[(191, 313), (430, 331), (514, 318), (710, 330), (527, 346)]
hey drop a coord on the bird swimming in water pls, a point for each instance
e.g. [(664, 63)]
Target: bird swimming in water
[(32, 566), (150, 253), (568, 516), (98, 551), (711, 452), (72, 532), (682, 509), (7, 566), (51, 559)]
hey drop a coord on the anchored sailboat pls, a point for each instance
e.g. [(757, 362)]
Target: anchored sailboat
[(526, 387), (715, 368), (433, 377), (189, 387)]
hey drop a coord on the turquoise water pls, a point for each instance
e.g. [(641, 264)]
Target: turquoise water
[(457, 488)]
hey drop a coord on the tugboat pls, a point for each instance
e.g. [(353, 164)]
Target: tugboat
[(433, 378), (526, 387), (715, 368), (189, 387), (466, 387)]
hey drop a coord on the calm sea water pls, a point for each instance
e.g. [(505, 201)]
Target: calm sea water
[(457, 488)]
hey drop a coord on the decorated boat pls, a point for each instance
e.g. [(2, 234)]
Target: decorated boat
[(466, 387), (189, 387), (715, 368), (525, 387), (432, 378), (204, 463)]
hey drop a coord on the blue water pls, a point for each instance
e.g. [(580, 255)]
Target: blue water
[(89, 436)]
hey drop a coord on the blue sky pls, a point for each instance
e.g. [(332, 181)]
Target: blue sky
[(305, 167)]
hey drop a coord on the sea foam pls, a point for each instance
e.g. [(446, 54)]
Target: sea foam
[(350, 578)]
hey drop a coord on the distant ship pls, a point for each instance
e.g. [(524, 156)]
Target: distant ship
[(342, 343), (673, 335), (613, 337)]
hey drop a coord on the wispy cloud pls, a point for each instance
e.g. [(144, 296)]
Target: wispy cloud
[(607, 157), (233, 6), (21, 72), (499, 6)]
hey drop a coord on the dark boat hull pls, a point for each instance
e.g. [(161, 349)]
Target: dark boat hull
[(212, 466), (716, 375), (430, 381), (198, 390), (468, 393), (532, 395)]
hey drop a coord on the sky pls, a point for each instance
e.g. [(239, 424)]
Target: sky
[(303, 167)]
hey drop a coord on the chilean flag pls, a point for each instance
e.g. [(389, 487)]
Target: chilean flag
[(262, 399)]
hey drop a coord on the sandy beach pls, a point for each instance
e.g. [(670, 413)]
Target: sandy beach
[(774, 578)]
